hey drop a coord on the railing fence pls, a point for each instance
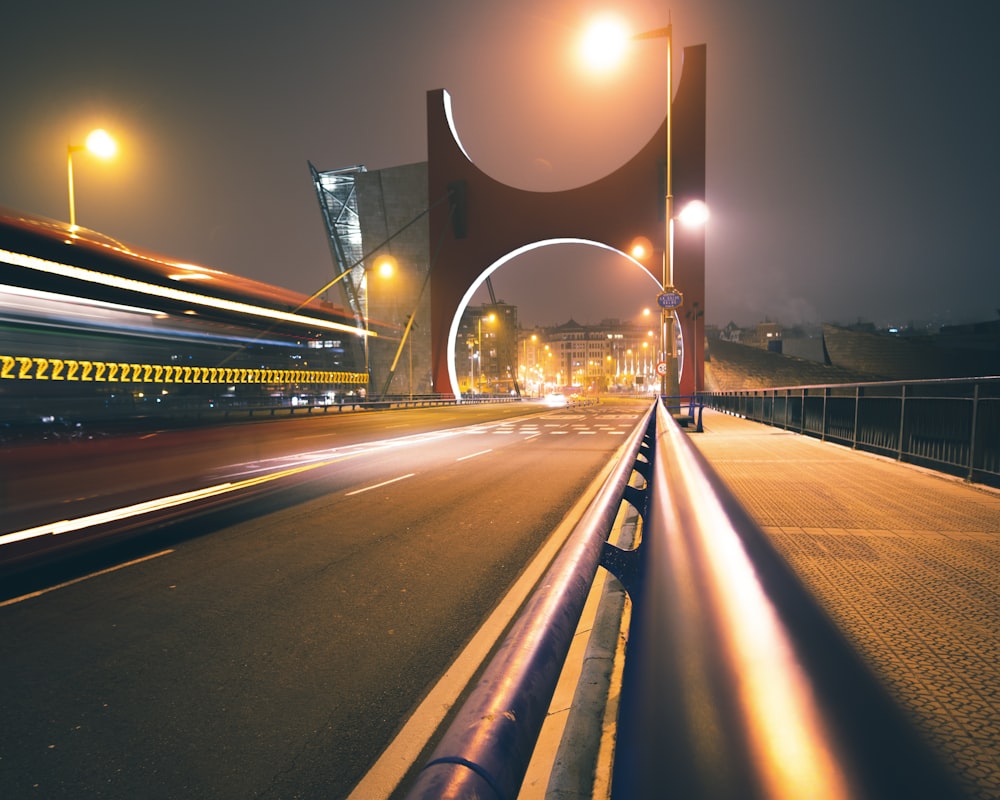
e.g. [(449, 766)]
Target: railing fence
[(949, 425)]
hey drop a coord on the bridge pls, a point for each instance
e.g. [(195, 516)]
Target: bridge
[(315, 632)]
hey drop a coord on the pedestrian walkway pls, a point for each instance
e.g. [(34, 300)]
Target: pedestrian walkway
[(906, 562)]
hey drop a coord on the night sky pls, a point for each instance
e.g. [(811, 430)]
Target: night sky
[(853, 157)]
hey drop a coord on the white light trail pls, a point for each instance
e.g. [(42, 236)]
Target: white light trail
[(142, 287)]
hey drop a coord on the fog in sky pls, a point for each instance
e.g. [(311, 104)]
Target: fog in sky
[(853, 162)]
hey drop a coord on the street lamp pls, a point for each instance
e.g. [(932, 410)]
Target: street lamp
[(607, 41), (479, 340), (534, 340), (385, 265), (669, 381), (98, 142)]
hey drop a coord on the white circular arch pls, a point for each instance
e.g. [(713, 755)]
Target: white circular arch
[(463, 304)]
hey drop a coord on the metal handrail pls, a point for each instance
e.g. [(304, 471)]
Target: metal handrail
[(736, 684), (486, 749), (951, 425)]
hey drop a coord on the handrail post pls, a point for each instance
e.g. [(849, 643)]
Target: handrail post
[(902, 419), (857, 416), (826, 398), (972, 435)]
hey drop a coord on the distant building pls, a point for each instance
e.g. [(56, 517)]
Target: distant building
[(367, 215), (611, 356), (765, 335), (486, 349), (731, 333)]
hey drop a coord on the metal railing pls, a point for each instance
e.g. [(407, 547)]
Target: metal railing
[(353, 403), (25, 423), (486, 749), (686, 409), (949, 425), (735, 684)]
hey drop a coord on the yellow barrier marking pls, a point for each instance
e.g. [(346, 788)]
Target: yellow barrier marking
[(42, 368)]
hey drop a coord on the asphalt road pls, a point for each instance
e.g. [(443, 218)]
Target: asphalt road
[(272, 648)]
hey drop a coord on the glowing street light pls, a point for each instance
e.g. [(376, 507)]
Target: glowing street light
[(385, 265), (604, 43), (693, 215), (98, 142), (491, 317)]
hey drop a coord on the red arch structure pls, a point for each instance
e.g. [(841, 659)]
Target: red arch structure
[(492, 220)]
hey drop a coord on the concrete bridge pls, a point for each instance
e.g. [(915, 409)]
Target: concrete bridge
[(906, 562)]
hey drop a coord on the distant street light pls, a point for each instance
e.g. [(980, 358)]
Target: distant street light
[(693, 215), (98, 142), (385, 266), (491, 317)]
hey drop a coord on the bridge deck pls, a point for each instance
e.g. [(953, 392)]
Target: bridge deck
[(907, 562)]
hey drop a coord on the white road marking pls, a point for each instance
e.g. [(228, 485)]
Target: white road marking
[(115, 568), (380, 485), (384, 776), (473, 455)]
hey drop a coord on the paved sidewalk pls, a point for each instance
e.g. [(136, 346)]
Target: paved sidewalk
[(907, 562)]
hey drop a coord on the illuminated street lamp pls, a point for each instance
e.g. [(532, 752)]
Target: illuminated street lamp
[(604, 43), (669, 298), (385, 265), (491, 317), (98, 142), (524, 367)]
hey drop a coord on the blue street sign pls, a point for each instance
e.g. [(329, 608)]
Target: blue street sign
[(670, 298)]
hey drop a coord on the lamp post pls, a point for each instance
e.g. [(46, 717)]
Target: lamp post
[(604, 44), (386, 267), (669, 298), (98, 142), (479, 340), (534, 340)]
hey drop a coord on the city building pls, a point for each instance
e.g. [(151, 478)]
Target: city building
[(488, 363), (612, 356)]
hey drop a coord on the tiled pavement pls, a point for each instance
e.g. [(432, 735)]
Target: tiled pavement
[(905, 561)]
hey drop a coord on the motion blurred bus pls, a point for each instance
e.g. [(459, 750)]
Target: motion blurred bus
[(92, 329)]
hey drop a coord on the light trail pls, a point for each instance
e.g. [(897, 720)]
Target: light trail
[(138, 509)]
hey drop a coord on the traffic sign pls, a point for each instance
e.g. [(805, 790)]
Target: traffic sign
[(661, 368), (670, 298)]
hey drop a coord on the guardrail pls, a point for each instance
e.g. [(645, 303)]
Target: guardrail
[(735, 684), (357, 404), (27, 424), (486, 749), (949, 425), (695, 409)]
